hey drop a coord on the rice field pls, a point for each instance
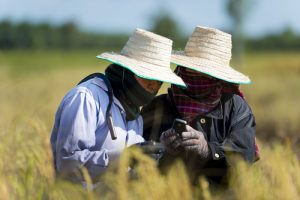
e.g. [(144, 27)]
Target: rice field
[(33, 83)]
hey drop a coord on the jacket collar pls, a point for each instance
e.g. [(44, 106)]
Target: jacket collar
[(217, 113)]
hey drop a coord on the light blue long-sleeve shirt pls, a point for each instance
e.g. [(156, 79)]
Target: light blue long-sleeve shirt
[(81, 137)]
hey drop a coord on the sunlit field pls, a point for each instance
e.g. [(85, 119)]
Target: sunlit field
[(33, 83)]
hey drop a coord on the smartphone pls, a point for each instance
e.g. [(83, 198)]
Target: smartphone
[(179, 126)]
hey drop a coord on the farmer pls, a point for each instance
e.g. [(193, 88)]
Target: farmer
[(219, 121), (100, 117)]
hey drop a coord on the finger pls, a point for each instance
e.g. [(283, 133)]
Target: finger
[(170, 132), (189, 128), (190, 142), (192, 130), (173, 148), (169, 140), (176, 143), (191, 148), (165, 135), (190, 135)]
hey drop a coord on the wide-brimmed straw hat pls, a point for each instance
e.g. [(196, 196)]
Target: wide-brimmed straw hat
[(147, 55), (208, 51)]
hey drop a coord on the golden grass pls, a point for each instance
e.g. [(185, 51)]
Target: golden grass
[(28, 102), (276, 176), (274, 95), (146, 182)]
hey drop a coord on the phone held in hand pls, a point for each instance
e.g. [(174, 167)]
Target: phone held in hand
[(179, 126)]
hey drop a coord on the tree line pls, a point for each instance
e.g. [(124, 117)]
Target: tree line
[(68, 36), (45, 36), (286, 40)]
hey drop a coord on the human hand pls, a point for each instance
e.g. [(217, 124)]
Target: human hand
[(193, 141), (171, 141)]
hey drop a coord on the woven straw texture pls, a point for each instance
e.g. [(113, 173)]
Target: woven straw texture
[(148, 55), (208, 51)]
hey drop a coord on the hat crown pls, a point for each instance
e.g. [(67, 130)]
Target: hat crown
[(147, 55), (148, 47), (210, 44)]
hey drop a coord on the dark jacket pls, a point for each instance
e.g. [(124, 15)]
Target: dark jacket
[(229, 129)]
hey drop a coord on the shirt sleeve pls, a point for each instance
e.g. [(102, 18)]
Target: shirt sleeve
[(240, 139), (76, 137), (135, 132)]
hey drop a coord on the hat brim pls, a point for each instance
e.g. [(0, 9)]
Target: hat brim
[(143, 69), (225, 73)]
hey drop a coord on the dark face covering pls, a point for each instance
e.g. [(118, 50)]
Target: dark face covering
[(127, 90), (201, 96)]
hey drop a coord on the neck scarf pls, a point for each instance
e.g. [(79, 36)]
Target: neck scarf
[(201, 96), (232, 88), (127, 90)]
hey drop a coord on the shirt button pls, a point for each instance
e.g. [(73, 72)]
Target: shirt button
[(217, 155), (202, 121)]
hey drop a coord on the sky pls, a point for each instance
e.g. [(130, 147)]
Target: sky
[(263, 17)]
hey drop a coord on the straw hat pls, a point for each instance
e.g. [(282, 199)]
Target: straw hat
[(147, 55), (208, 51)]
